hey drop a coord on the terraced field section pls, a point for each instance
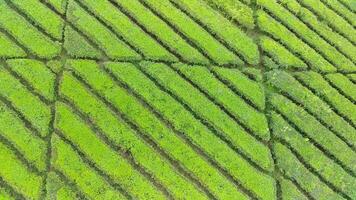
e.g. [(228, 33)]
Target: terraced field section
[(178, 99)]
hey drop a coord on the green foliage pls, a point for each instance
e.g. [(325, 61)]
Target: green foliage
[(36, 42), (128, 140), (69, 163), (76, 46), (341, 82), (75, 130), (106, 40), (150, 125), (285, 58), (281, 33), (59, 5), (290, 191), (331, 18), (37, 74), (222, 27), (159, 28), (295, 170), (328, 169), (237, 166), (9, 49), (310, 37), (131, 32), (213, 48), (290, 86), (251, 89), (17, 175), (314, 130), (42, 16), (205, 80), (56, 189), (31, 147), (177, 99), (331, 95), (236, 10), (322, 29), (29, 105)]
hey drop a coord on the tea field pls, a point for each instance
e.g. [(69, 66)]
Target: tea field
[(178, 99)]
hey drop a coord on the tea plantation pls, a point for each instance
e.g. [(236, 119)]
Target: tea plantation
[(178, 99)]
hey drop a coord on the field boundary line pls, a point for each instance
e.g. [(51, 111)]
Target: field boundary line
[(71, 25), (137, 130)]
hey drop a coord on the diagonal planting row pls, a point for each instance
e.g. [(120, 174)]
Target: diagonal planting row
[(184, 144), (186, 31), (137, 126), (25, 95), (297, 38), (314, 135), (210, 151), (297, 34)]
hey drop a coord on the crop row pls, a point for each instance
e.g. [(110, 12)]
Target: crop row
[(249, 89), (349, 4), (226, 32), (278, 53), (319, 135), (335, 21), (291, 42), (322, 29), (307, 35), (17, 175), (313, 103), (175, 30), (31, 107), (35, 42), (27, 88), (205, 81), (174, 130), (151, 127), (333, 175), (344, 107), (130, 142), (344, 85)]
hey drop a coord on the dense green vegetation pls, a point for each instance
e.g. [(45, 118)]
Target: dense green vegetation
[(178, 99)]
